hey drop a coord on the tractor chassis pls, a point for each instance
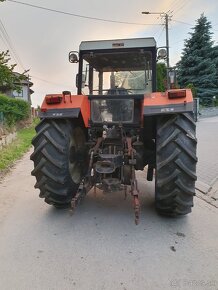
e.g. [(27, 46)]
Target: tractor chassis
[(89, 181)]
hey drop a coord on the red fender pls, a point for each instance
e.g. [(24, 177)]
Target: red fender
[(172, 101), (62, 106)]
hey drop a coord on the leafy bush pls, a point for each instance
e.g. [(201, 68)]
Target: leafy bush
[(9, 80), (14, 110), (193, 89)]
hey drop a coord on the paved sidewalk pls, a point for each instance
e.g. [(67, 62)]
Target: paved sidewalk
[(207, 168)]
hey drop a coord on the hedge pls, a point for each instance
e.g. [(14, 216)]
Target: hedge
[(14, 110)]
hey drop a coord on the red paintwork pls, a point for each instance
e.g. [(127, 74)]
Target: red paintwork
[(82, 102), (70, 101), (158, 98)]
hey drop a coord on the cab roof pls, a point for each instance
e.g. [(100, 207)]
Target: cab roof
[(118, 44)]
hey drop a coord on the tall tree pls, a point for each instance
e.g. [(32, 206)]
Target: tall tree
[(197, 66), (215, 59), (8, 79)]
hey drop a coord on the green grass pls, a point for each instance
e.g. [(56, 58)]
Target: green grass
[(17, 148)]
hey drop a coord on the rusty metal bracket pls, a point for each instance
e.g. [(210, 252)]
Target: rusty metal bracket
[(83, 189), (78, 197), (97, 145), (136, 208), (131, 150), (135, 193)]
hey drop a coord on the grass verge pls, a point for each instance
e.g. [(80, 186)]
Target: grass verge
[(17, 148)]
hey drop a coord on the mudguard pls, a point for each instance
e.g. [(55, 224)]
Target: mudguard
[(171, 101), (59, 106)]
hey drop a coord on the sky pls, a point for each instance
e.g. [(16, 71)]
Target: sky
[(40, 40)]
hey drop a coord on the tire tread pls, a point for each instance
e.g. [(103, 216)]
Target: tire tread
[(175, 164)]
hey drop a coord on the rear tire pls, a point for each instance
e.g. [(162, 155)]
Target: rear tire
[(59, 160), (175, 164)]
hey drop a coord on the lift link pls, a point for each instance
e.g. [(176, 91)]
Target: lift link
[(81, 193), (84, 186), (136, 204), (136, 209), (135, 193)]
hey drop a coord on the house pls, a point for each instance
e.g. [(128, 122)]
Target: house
[(25, 90)]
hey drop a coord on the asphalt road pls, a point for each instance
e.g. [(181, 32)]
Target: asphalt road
[(100, 247)]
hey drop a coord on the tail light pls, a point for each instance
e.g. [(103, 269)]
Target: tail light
[(53, 100), (177, 94)]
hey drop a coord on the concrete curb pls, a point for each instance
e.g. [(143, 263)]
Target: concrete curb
[(202, 187), (214, 191), (207, 192)]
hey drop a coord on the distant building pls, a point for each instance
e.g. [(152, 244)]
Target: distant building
[(25, 90)]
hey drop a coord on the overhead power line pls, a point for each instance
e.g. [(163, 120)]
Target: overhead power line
[(9, 44), (178, 8), (159, 36), (50, 82), (174, 5), (78, 15), (3, 41), (182, 22)]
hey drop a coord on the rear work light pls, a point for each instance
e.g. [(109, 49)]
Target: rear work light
[(53, 100), (176, 94)]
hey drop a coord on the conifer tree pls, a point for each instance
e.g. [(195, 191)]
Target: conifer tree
[(197, 66), (215, 59)]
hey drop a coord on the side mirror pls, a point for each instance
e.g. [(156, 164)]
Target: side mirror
[(73, 57), (162, 53)]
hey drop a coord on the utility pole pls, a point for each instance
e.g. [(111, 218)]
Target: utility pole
[(167, 39), (166, 18)]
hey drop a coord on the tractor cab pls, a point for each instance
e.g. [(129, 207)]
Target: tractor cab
[(116, 74), (117, 67)]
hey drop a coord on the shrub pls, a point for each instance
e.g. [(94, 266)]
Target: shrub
[(14, 110), (193, 89)]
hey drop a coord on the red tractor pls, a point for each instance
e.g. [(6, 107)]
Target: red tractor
[(117, 124)]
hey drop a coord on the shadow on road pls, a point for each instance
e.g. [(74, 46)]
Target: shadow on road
[(112, 210)]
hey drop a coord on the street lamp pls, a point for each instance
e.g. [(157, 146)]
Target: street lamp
[(166, 16)]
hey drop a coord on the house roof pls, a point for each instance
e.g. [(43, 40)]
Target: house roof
[(25, 81)]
